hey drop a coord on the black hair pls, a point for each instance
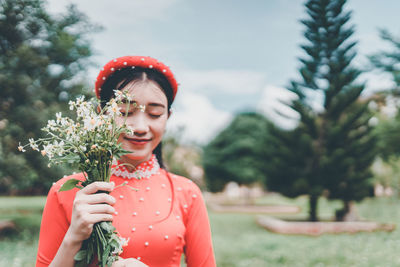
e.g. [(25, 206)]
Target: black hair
[(123, 77)]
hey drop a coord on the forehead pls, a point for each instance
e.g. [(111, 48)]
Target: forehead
[(145, 92)]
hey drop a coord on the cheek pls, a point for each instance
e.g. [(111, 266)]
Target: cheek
[(119, 121), (158, 128)]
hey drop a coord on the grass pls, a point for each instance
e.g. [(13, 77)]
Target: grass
[(19, 248), (238, 241)]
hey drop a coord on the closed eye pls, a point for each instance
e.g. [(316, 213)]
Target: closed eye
[(155, 115), (124, 113)]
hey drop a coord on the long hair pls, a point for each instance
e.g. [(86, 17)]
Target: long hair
[(123, 77)]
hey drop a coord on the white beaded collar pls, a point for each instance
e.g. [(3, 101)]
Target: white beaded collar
[(143, 170)]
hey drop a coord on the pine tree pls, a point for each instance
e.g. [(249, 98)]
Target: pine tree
[(237, 153), (41, 58), (389, 128), (333, 141)]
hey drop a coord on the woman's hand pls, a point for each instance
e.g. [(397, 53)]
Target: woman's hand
[(90, 208), (131, 262)]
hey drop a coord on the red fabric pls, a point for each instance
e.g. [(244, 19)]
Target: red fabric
[(166, 217), (134, 61)]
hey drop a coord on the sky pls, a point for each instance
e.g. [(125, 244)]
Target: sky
[(228, 56)]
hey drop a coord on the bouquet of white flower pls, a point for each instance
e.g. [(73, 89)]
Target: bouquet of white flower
[(90, 143)]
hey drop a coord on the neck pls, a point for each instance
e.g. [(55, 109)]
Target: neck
[(133, 163)]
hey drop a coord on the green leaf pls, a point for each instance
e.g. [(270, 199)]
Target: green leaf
[(80, 255), (105, 255), (107, 226), (70, 184), (72, 158)]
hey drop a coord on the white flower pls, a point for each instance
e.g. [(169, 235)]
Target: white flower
[(33, 145), (58, 116), (71, 105), (113, 108), (48, 150), (51, 124), (21, 148), (91, 122)]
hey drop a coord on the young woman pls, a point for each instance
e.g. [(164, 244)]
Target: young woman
[(165, 217)]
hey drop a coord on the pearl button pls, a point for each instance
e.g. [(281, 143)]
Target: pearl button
[(104, 78), (150, 66), (135, 213), (142, 59), (164, 70), (169, 199), (178, 217), (115, 60), (133, 229), (112, 69), (150, 227), (166, 237), (141, 199), (138, 258), (157, 213), (121, 196), (185, 206), (146, 243), (179, 189), (163, 185), (125, 63), (194, 195), (148, 188), (116, 212)]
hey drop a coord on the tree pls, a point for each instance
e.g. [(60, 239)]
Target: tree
[(183, 158), (237, 153), (332, 142), (389, 61), (43, 61), (388, 128)]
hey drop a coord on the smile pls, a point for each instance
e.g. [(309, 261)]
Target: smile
[(137, 141)]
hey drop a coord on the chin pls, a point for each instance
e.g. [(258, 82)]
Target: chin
[(138, 155)]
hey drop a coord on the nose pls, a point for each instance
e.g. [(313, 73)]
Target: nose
[(139, 124)]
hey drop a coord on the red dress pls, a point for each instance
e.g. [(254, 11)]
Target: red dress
[(163, 219)]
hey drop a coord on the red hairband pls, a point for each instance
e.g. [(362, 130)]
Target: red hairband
[(134, 61)]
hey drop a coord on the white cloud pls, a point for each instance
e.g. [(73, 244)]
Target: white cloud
[(200, 119), (115, 12), (378, 81), (271, 105), (229, 81)]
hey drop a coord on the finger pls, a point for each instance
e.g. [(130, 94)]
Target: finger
[(95, 218), (97, 186), (100, 199), (100, 208)]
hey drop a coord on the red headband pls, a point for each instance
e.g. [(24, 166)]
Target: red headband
[(134, 61)]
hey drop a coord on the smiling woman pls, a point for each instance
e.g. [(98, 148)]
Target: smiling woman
[(165, 215)]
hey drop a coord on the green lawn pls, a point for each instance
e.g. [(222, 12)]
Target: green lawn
[(238, 241)]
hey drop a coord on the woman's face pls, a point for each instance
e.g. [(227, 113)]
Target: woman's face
[(147, 118)]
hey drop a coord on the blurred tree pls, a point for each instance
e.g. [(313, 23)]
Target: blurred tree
[(238, 153), (333, 141), (43, 59), (183, 159), (389, 127), (389, 61)]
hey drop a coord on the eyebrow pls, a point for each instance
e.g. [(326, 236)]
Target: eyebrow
[(150, 104)]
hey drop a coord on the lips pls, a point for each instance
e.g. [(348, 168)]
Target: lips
[(137, 141)]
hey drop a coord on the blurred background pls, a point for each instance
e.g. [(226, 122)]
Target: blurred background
[(285, 104)]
